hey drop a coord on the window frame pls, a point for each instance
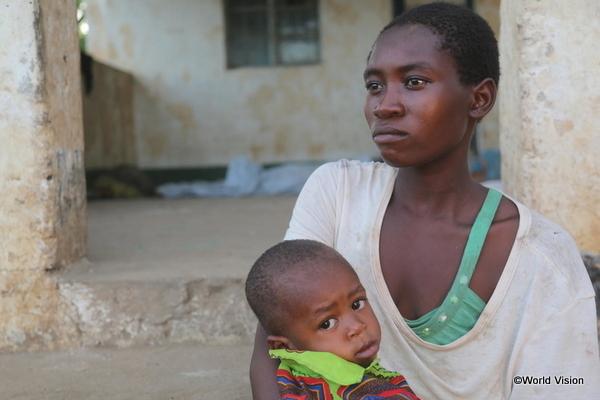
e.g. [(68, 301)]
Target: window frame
[(399, 6), (274, 36)]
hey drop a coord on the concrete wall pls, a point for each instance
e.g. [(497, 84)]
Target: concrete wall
[(550, 111), (190, 111), (42, 207)]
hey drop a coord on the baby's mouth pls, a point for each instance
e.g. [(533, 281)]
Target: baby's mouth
[(368, 351)]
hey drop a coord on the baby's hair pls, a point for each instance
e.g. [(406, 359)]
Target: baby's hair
[(283, 265), (465, 35)]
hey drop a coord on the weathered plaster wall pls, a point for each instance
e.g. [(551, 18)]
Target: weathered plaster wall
[(108, 118), (42, 207), (549, 111), (189, 110)]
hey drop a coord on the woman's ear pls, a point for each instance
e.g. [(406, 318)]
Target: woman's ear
[(484, 97), (278, 342)]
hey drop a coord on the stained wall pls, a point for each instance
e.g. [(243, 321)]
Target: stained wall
[(191, 111)]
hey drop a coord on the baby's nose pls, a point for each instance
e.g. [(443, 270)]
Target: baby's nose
[(355, 327)]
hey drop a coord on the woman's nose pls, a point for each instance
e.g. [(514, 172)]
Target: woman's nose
[(389, 105)]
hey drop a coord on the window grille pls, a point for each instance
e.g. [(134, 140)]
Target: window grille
[(272, 32)]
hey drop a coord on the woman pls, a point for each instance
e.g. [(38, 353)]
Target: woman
[(472, 289)]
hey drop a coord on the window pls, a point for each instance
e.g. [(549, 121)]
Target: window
[(272, 32), (402, 5)]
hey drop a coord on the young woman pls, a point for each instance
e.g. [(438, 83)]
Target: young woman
[(478, 297)]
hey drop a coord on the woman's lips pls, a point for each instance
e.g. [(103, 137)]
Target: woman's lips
[(368, 351), (386, 135)]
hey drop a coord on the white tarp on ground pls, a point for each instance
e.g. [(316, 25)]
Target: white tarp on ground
[(245, 178)]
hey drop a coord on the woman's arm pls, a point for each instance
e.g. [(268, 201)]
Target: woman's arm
[(565, 353), (313, 218), (314, 213), (263, 369)]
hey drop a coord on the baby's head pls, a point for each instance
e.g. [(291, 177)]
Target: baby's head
[(307, 297)]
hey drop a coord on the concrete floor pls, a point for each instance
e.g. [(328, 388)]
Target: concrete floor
[(156, 240), (187, 371)]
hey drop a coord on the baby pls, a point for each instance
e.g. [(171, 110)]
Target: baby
[(320, 325)]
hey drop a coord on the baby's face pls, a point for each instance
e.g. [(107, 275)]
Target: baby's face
[(333, 314)]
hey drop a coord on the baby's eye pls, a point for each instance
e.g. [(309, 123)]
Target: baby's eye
[(415, 82), (373, 86), (328, 324), (358, 304)]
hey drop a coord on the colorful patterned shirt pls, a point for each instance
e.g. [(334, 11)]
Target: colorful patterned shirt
[(312, 375)]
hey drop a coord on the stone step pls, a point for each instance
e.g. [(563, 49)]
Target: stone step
[(125, 314), (170, 271)]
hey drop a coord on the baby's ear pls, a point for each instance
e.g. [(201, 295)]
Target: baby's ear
[(278, 342)]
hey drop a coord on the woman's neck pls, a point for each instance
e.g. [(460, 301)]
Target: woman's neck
[(448, 192)]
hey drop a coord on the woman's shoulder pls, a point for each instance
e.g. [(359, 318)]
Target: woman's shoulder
[(355, 170), (551, 248), (539, 231), (546, 234)]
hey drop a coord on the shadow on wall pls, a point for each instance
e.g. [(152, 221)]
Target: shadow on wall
[(107, 98)]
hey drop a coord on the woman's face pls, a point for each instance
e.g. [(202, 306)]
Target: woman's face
[(416, 107)]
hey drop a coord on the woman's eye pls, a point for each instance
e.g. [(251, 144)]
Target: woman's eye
[(414, 82), (373, 86), (358, 304), (328, 324)]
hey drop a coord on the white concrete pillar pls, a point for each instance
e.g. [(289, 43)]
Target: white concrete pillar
[(550, 111), (42, 181)]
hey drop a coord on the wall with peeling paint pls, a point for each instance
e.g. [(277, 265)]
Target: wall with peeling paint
[(549, 111), (42, 207), (190, 111)]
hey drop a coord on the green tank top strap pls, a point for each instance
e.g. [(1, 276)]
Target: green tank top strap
[(477, 237), (461, 307)]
